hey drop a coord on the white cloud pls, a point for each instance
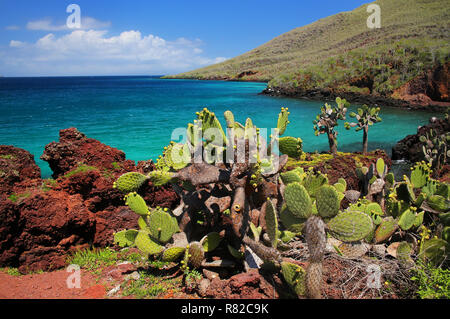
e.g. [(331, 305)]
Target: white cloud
[(16, 44), (93, 52), (47, 25), (12, 27)]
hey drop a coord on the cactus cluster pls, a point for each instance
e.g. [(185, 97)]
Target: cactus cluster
[(366, 116), (327, 120), (436, 148)]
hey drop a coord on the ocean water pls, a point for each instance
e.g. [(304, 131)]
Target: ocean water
[(138, 114)]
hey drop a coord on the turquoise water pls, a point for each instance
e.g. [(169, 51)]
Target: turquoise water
[(138, 114)]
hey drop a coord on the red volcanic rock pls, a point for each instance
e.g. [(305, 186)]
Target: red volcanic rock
[(247, 285), (38, 231), (74, 148), (111, 221), (16, 165)]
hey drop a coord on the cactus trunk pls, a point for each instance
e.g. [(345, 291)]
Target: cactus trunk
[(365, 139)]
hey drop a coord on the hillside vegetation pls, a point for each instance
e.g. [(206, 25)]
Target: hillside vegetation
[(342, 53)]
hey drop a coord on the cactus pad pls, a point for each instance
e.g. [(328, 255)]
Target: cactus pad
[(130, 182), (161, 225), (290, 177), (196, 254), (327, 201), (173, 254), (294, 275), (147, 245), (291, 146), (385, 230), (350, 226), (297, 200), (125, 238), (271, 223), (283, 120), (137, 204), (160, 178), (406, 220), (291, 222), (211, 241)]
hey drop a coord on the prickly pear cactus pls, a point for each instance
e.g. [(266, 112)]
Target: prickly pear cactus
[(298, 200), (161, 225), (271, 223), (125, 238), (295, 277), (350, 226), (386, 229), (283, 120), (291, 146), (327, 201), (211, 241), (147, 245), (173, 254), (137, 204), (196, 254), (130, 182)]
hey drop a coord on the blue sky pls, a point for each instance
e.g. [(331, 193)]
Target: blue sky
[(144, 37)]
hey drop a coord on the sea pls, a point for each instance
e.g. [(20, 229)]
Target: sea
[(137, 114)]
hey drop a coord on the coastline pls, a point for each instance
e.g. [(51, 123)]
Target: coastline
[(329, 95)]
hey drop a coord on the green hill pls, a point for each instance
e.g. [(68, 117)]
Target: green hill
[(342, 54)]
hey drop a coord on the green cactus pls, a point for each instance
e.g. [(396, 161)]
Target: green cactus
[(209, 120), (366, 117), (196, 254), (327, 201), (172, 254), (283, 121), (125, 238), (146, 244), (298, 200), (160, 178), (407, 219), (291, 146), (162, 225), (211, 241), (290, 221), (350, 226), (271, 222), (291, 177), (137, 204), (312, 182), (327, 120), (229, 118), (294, 276), (403, 253), (130, 182), (420, 175), (386, 229), (256, 231), (435, 148)]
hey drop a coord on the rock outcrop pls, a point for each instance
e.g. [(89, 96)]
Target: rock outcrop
[(410, 148), (16, 165), (42, 221), (75, 148)]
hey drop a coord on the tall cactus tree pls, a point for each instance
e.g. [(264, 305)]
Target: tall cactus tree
[(366, 117), (327, 120)]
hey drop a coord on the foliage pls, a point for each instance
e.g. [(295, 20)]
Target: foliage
[(433, 282), (366, 117)]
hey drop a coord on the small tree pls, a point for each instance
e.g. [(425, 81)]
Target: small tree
[(327, 120), (366, 117)]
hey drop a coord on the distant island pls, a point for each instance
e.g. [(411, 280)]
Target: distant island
[(403, 63)]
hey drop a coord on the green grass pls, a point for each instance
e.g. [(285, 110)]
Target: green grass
[(433, 283), (150, 286), (337, 50), (17, 197), (82, 168), (94, 260), (7, 156)]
